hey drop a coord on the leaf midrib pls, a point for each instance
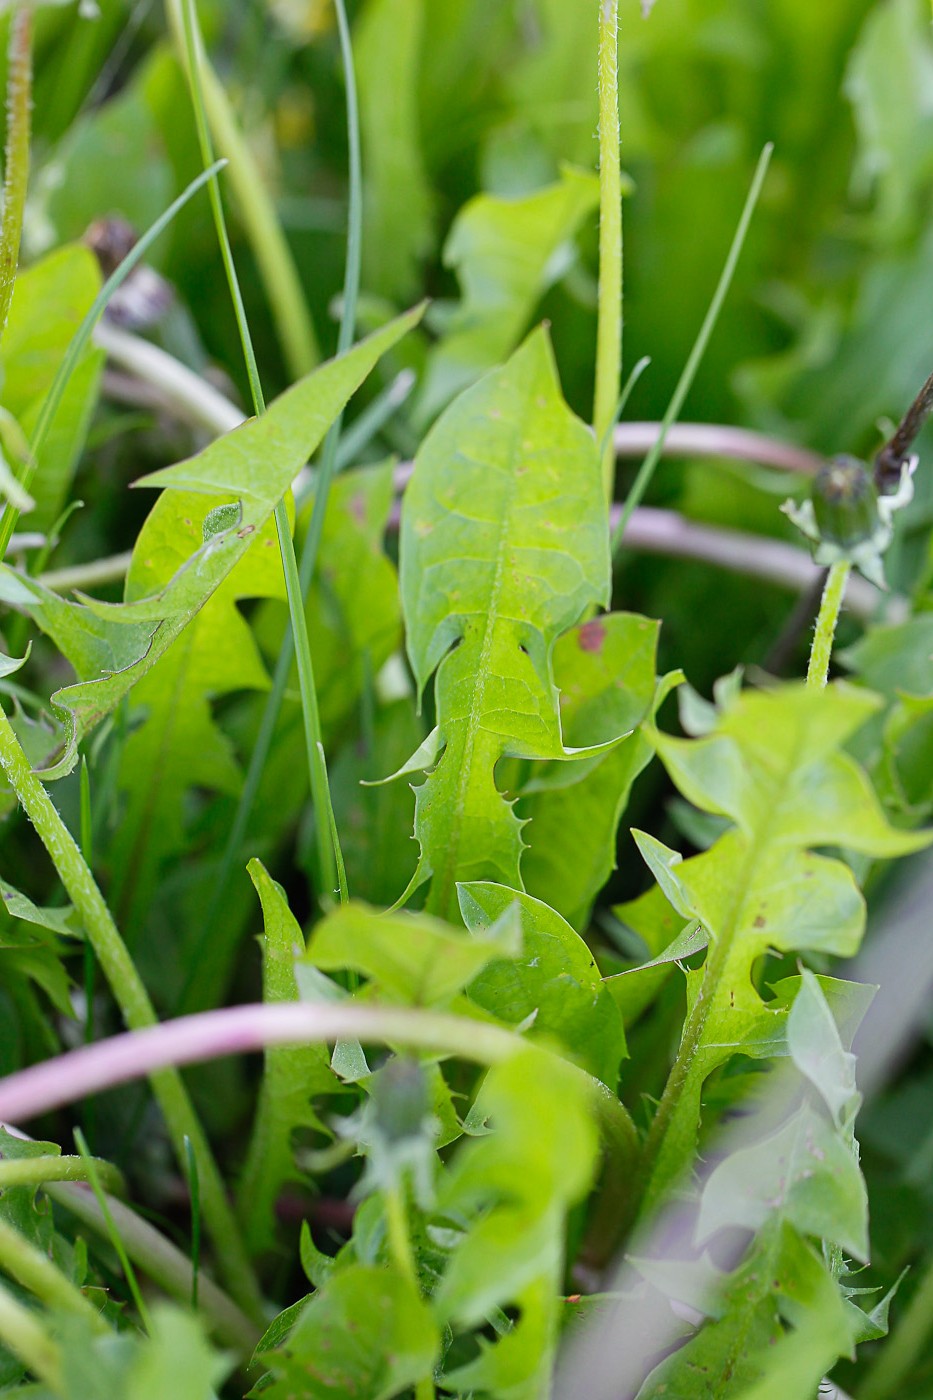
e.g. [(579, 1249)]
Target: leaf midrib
[(717, 962), (444, 883)]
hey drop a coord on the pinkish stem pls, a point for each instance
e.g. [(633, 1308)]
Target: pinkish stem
[(192, 1039)]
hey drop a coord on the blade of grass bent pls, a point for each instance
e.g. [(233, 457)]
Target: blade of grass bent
[(685, 382), (83, 334), (210, 956), (328, 845)]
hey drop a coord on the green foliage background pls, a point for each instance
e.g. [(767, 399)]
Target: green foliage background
[(478, 122)]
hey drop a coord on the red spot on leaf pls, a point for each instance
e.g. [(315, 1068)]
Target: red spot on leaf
[(592, 635)]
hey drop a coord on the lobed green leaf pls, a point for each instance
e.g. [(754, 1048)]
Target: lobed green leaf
[(255, 465), (504, 543)]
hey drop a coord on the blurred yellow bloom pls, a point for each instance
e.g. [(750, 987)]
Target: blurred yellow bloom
[(304, 19)]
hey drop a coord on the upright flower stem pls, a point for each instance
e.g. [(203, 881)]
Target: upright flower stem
[(822, 649), (400, 1246), (609, 314), (16, 159), (137, 1009)]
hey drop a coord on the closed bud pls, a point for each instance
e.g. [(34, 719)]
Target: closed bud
[(400, 1100), (845, 503)]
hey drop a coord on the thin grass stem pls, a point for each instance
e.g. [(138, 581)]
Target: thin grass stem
[(161, 1261), (195, 1188), (685, 382), (330, 859), (129, 1273), (212, 952), (267, 240), (80, 339), (89, 960)]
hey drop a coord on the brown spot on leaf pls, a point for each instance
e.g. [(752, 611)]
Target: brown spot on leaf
[(760, 921), (592, 635)]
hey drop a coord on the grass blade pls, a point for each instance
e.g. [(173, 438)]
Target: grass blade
[(205, 959), (329, 858), (266, 238), (129, 1273), (685, 382)]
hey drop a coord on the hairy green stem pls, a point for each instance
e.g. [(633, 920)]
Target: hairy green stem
[(822, 648), (135, 1006), (330, 858), (24, 1335), (16, 159), (397, 1233), (34, 1270), (266, 237), (36, 1171), (609, 314), (400, 1247)]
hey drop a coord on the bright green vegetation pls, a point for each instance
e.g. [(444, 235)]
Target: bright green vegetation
[(545, 1000)]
